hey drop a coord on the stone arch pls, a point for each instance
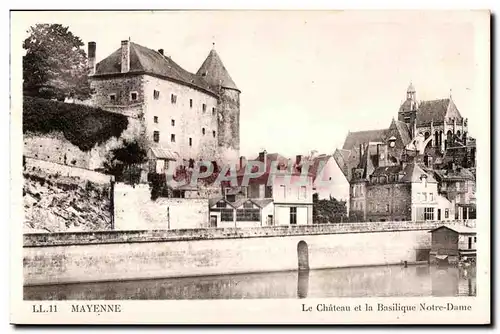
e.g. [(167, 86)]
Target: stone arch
[(303, 255)]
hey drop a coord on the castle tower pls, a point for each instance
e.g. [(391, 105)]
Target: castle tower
[(228, 110)]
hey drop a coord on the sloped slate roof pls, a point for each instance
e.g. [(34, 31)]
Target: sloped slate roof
[(450, 175), (436, 110), (354, 139), (145, 60), (388, 170), (215, 73), (413, 172), (404, 132)]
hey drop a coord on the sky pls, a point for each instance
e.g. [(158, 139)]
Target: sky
[(309, 77)]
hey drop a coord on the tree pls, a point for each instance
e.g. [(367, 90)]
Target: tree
[(55, 65), (328, 210), (126, 159)]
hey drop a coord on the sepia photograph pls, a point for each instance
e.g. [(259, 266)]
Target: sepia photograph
[(252, 155)]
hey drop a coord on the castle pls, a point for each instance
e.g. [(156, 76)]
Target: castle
[(183, 116)]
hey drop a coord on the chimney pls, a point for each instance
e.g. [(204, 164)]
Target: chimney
[(91, 59), (160, 51), (243, 162), (298, 159), (125, 56)]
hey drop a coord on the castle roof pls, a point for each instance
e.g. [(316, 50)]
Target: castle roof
[(148, 61), (214, 72)]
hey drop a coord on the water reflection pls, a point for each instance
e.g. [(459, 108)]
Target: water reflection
[(387, 281), (302, 283)]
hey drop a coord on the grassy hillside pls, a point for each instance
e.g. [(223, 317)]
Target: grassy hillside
[(83, 126)]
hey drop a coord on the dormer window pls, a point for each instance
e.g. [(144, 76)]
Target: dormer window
[(112, 97)]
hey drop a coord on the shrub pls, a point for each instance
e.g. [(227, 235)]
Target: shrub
[(81, 125)]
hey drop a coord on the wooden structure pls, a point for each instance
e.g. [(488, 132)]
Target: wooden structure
[(451, 244)]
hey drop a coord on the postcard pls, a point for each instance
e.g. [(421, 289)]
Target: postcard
[(250, 167)]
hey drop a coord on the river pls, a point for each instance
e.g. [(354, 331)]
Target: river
[(380, 281)]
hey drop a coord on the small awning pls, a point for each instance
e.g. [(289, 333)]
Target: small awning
[(163, 153), (441, 257)]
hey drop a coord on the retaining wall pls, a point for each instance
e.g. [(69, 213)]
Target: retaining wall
[(125, 255)]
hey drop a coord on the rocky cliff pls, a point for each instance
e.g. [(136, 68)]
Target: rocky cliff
[(53, 203)]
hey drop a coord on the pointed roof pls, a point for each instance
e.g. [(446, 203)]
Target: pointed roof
[(145, 60), (215, 73), (402, 129), (411, 89), (412, 174)]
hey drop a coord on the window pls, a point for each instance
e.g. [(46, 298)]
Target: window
[(112, 97), (303, 192), (424, 195), (190, 103), (387, 208), (155, 119), (446, 213), (475, 239), (431, 197), (293, 215), (203, 131), (226, 215), (213, 134), (133, 96), (156, 94), (190, 141), (388, 191), (173, 122), (231, 198), (221, 204), (428, 213), (156, 136), (213, 111), (424, 181), (173, 98), (204, 107), (248, 215), (172, 138), (283, 190)]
